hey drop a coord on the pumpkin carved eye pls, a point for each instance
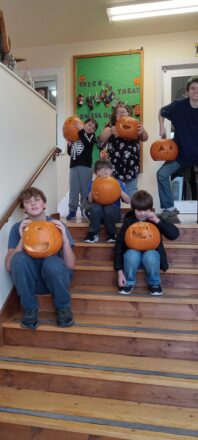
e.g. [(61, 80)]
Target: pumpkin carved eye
[(164, 149)]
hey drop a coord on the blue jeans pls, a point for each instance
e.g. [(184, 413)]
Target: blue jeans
[(108, 215), (32, 276), (149, 260), (131, 186), (163, 180)]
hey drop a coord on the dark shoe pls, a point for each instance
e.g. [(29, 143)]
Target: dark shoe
[(125, 290), (166, 214), (92, 238), (30, 319), (111, 238), (64, 317), (71, 216), (155, 290)]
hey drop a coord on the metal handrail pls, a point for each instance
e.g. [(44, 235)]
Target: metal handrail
[(52, 155)]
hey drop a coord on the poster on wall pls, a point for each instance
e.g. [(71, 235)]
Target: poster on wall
[(101, 81)]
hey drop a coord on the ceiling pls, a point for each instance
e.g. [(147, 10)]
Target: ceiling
[(46, 22)]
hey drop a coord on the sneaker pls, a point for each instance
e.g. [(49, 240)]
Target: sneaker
[(64, 317), (111, 238), (155, 290), (125, 290), (30, 319), (166, 214), (92, 238), (71, 216)]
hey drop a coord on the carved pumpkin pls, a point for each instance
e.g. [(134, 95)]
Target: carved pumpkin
[(164, 149), (41, 239), (69, 131), (105, 190), (142, 236), (127, 127)]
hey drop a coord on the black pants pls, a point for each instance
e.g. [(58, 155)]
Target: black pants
[(108, 215)]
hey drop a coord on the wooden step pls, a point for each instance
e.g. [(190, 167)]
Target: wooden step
[(140, 379), (79, 230), (103, 273), (96, 417), (180, 252), (138, 305), (110, 334)]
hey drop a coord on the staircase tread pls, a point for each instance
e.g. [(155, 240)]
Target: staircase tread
[(112, 290), (167, 244), (100, 413), (162, 329), (164, 372), (82, 223), (108, 266)]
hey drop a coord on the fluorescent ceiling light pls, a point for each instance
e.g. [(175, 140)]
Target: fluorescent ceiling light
[(154, 9)]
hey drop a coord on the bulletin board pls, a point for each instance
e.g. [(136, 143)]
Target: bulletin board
[(103, 80)]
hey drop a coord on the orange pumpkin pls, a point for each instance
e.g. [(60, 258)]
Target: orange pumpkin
[(142, 236), (164, 149), (127, 127), (41, 239), (106, 190), (69, 131)]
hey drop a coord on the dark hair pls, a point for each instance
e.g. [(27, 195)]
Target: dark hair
[(113, 118), (30, 192), (102, 163), (191, 80), (92, 120), (142, 201)]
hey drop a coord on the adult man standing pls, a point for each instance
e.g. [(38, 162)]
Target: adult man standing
[(183, 114)]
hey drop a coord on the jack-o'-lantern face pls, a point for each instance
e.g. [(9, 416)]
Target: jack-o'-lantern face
[(127, 127), (105, 190), (142, 236), (164, 149), (69, 131), (41, 239), (136, 81)]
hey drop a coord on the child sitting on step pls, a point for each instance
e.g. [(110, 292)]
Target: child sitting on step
[(128, 261), (33, 276), (99, 214)]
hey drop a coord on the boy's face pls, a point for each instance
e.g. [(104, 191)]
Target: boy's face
[(142, 215), (34, 206), (104, 172), (89, 127), (193, 91)]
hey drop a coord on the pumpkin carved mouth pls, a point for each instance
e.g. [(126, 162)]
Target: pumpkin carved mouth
[(126, 127), (38, 247)]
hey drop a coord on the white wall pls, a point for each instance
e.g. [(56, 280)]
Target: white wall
[(27, 134)]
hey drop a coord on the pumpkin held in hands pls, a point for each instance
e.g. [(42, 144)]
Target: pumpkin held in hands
[(106, 190), (142, 236), (69, 131), (164, 149), (41, 239), (127, 127)]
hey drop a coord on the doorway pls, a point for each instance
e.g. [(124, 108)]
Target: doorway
[(173, 87)]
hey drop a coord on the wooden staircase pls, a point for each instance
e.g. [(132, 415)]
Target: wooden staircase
[(128, 369)]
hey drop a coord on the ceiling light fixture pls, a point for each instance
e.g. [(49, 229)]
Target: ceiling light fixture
[(152, 9)]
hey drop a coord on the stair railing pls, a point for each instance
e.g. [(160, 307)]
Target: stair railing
[(52, 155)]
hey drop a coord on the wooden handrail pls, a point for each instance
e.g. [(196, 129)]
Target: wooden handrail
[(52, 155)]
